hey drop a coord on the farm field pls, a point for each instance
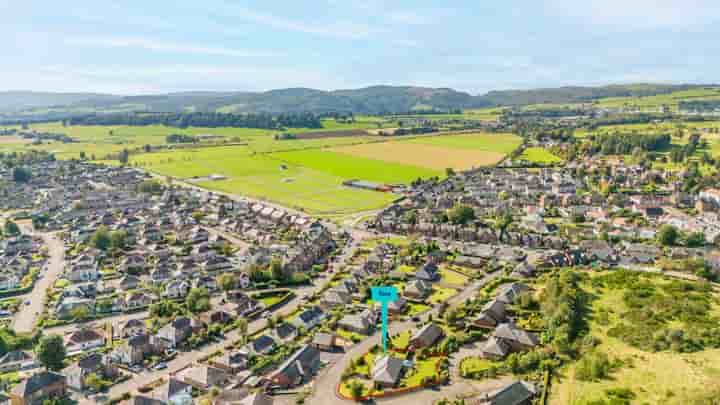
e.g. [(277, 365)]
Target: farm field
[(459, 152), (539, 155), (670, 99), (349, 166)]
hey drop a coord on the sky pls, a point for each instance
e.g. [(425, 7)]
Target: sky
[(157, 46)]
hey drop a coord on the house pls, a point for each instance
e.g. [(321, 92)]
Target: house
[(231, 362), (39, 387), (492, 314), (309, 318), (397, 306), (137, 300), (17, 360), (359, 323), (598, 250), (517, 339), (523, 270), (387, 371), (495, 349), (509, 293), (135, 350), (334, 298), (67, 305), (428, 272), (242, 397), (515, 393), (426, 336), (262, 345), (176, 332), (131, 327), (95, 363), (173, 391), (299, 368), (176, 289), (326, 342), (9, 282), (129, 282), (84, 339), (204, 377), (285, 332), (418, 289)]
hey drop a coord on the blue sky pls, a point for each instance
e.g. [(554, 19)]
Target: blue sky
[(130, 47)]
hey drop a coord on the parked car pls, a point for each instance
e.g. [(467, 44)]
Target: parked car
[(160, 366)]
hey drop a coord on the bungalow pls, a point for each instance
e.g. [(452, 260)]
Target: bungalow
[(84, 339), (358, 323), (173, 392), (285, 332), (309, 318), (231, 362), (325, 341), (387, 371), (427, 272), (492, 314), (204, 377), (426, 336), (509, 293), (9, 282), (67, 305), (515, 393), (137, 300), (38, 387), (523, 270), (517, 339), (262, 345), (299, 368), (418, 289), (334, 298)]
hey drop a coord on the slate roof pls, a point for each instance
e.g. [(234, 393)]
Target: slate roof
[(513, 394), (36, 383), (428, 334), (387, 370)]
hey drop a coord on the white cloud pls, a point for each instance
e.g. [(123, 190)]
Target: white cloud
[(641, 14), (162, 46)]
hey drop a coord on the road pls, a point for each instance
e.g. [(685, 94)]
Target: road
[(187, 358), (26, 317), (324, 392)]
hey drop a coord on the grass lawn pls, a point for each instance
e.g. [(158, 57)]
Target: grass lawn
[(491, 142), (470, 365), (441, 294), (452, 277), (414, 309), (421, 369), (539, 155), (404, 268), (271, 300), (401, 341)]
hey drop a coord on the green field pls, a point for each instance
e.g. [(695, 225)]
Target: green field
[(654, 102), (503, 143), (349, 167), (539, 155)]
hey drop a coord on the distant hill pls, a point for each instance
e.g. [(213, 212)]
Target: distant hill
[(369, 100)]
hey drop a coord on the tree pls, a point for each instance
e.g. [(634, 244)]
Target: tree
[(226, 281), (80, 313), (94, 381), (100, 239), (124, 157), (276, 270), (242, 325), (461, 214), (82, 155), (11, 228), (667, 235), (356, 389), (21, 175), (449, 172), (198, 300), (502, 222), (695, 239), (150, 187), (118, 240), (50, 352)]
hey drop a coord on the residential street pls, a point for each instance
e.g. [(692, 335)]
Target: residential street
[(27, 315), (186, 358), (324, 392)]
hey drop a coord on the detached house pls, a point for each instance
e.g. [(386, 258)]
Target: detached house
[(39, 387), (299, 368), (84, 339)]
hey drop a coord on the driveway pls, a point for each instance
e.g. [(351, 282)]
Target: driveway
[(26, 317)]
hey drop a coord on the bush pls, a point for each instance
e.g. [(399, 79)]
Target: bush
[(593, 367)]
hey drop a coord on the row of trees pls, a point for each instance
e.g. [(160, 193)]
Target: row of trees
[(204, 119)]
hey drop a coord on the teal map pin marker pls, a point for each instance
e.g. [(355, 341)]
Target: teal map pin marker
[(384, 295)]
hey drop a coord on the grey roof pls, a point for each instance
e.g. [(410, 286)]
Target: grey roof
[(508, 293), (301, 363), (36, 383), (496, 347), (511, 332), (428, 334), (513, 394), (15, 356), (387, 370)]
